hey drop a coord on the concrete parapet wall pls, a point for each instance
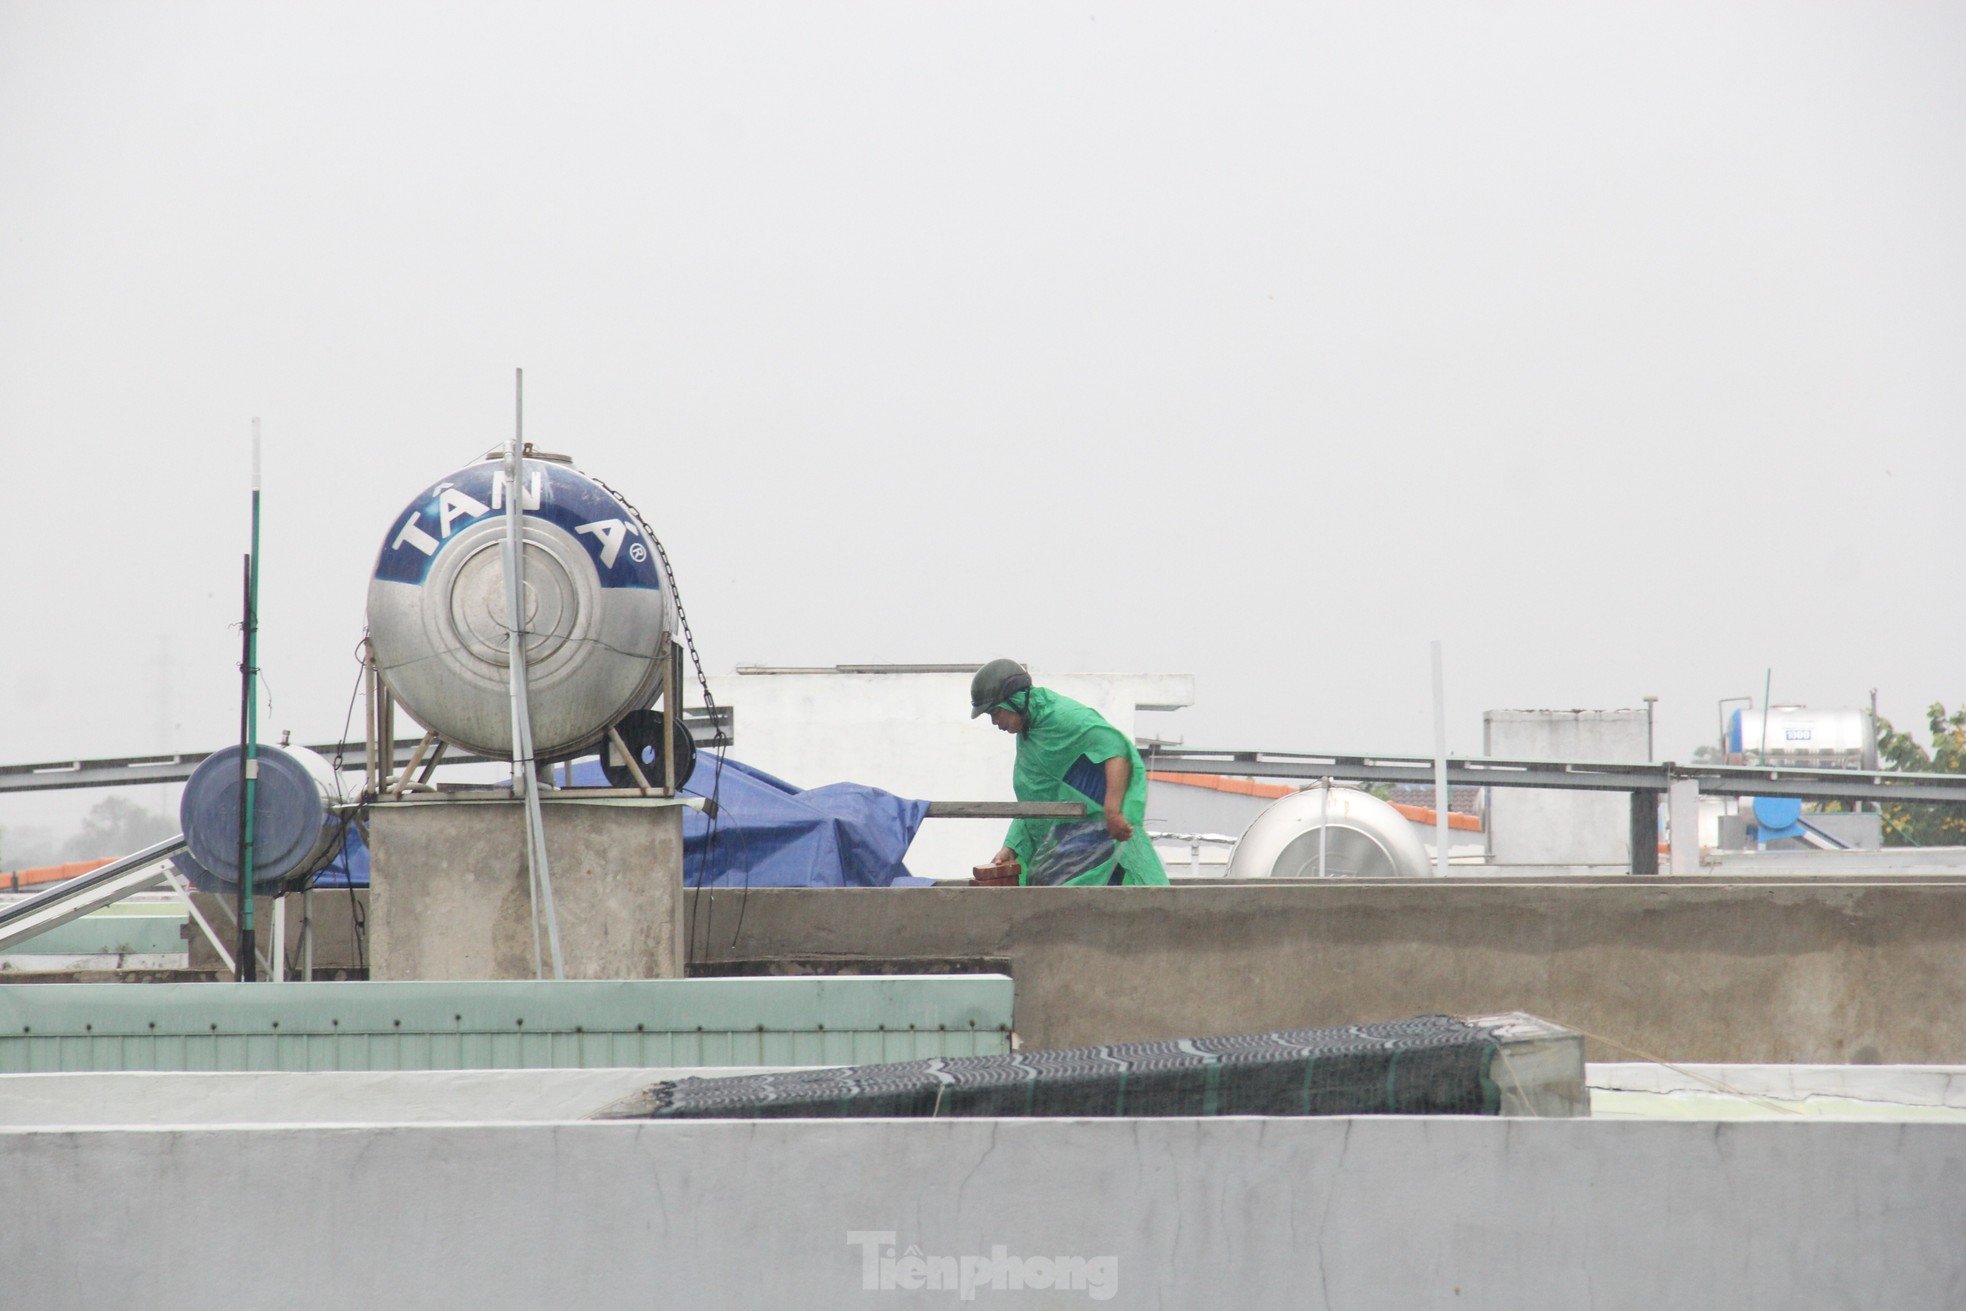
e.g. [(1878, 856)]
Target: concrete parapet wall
[(262, 1097), (451, 895), (1688, 970), (1246, 1213)]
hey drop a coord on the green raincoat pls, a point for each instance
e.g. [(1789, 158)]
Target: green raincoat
[(1061, 756)]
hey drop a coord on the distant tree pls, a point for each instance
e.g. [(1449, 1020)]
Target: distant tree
[(24, 846), (117, 826), (1932, 823)]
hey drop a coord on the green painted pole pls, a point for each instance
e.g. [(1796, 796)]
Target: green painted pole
[(249, 743)]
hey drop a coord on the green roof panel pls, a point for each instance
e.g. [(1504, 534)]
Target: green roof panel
[(807, 1020)]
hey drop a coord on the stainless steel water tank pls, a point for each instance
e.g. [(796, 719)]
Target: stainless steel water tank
[(1363, 838), (294, 831), (1801, 738), (596, 609)]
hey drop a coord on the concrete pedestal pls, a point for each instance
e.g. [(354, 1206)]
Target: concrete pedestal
[(449, 893)]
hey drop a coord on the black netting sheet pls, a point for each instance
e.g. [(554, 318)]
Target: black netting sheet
[(1433, 1065)]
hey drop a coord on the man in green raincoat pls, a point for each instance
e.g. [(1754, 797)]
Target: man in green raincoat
[(1068, 752)]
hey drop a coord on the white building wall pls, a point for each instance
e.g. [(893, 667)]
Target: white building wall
[(1184, 808), (910, 733), (1542, 826)]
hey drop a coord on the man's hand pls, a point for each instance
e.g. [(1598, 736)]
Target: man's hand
[(1119, 772), (1003, 857)]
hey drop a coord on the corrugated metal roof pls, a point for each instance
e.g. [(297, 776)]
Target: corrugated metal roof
[(48, 1028)]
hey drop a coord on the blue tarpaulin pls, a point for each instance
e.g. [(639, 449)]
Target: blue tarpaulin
[(767, 834)]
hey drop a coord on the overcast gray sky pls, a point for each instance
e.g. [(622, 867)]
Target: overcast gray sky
[(1623, 348)]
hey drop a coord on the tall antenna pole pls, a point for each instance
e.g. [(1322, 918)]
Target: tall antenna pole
[(248, 958)]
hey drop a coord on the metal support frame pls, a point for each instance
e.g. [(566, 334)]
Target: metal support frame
[(183, 890), (259, 952), (138, 872), (142, 871), (404, 781), (672, 698), (634, 765), (307, 936), (1680, 785), (1718, 780), (176, 767), (1006, 810)]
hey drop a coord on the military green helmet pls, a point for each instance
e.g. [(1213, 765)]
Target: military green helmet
[(994, 683)]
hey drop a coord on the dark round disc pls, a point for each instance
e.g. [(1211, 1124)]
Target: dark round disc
[(641, 731)]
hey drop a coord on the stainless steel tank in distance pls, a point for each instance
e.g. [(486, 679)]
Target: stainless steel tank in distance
[(1363, 837), (1801, 738)]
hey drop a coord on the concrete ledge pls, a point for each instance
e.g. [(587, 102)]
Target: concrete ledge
[(262, 1097), (501, 1024), (1520, 1214), (1768, 971)]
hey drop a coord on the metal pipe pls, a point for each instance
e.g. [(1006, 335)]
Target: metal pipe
[(370, 783), (1440, 766), (540, 879), (1323, 823), (672, 715), (242, 916)]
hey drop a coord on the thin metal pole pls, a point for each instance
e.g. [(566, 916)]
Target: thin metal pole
[(1323, 823), (1767, 685), (539, 876), (1440, 766), (277, 958), (1870, 752), (372, 783)]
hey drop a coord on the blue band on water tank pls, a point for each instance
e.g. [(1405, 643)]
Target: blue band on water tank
[(614, 541)]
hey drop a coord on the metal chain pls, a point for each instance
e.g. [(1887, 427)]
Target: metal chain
[(682, 616)]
